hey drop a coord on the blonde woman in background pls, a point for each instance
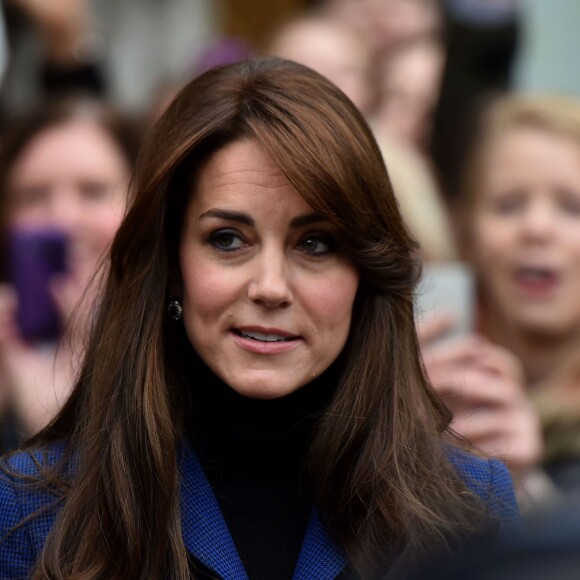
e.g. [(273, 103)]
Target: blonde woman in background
[(523, 213), (521, 231)]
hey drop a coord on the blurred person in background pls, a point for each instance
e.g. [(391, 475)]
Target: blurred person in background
[(65, 167), (522, 226), (523, 193), (521, 223), (386, 23), (409, 79)]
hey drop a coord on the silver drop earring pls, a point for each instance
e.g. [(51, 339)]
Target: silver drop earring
[(174, 309)]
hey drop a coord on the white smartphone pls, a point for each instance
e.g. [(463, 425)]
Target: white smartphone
[(447, 288)]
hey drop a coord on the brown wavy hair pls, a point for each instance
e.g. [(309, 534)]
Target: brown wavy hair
[(379, 466)]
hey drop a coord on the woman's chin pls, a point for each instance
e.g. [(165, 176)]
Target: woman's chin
[(264, 386)]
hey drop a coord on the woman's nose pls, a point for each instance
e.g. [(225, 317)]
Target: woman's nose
[(539, 222), (66, 212), (269, 285)]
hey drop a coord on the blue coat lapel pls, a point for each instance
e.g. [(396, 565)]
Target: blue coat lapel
[(206, 535), (205, 532), (319, 557)]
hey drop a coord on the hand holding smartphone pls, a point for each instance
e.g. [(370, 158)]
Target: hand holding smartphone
[(447, 288), (35, 256)]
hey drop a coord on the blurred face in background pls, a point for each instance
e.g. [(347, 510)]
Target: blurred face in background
[(332, 50), (526, 234), (410, 83), (73, 177), (388, 22)]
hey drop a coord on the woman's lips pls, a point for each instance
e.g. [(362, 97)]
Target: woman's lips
[(265, 340), (537, 282)]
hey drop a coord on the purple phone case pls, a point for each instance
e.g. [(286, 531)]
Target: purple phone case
[(35, 256)]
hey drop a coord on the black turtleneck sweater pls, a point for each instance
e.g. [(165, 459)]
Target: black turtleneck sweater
[(253, 452)]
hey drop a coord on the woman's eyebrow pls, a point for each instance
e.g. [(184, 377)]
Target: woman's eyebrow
[(244, 218), (235, 216), (306, 220)]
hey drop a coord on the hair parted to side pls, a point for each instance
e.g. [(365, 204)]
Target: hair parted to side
[(378, 466)]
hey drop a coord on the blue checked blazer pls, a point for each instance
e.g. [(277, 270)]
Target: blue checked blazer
[(205, 532)]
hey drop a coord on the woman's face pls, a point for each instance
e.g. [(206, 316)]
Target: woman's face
[(410, 88), (74, 177), (527, 230), (268, 291)]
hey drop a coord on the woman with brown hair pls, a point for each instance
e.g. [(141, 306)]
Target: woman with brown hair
[(252, 403)]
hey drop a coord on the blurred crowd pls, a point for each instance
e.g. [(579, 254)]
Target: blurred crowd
[(486, 176)]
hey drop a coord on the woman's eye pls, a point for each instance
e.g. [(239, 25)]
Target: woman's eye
[(508, 205), (318, 244), (94, 191), (569, 202), (31, 196), (226, 241)]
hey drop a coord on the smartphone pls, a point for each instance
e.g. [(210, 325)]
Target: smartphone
[(35, 256), (448, 288)]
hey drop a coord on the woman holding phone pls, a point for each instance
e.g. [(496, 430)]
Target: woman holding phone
[(522, 217), (252, 403), (515, 387), (64, 173)]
